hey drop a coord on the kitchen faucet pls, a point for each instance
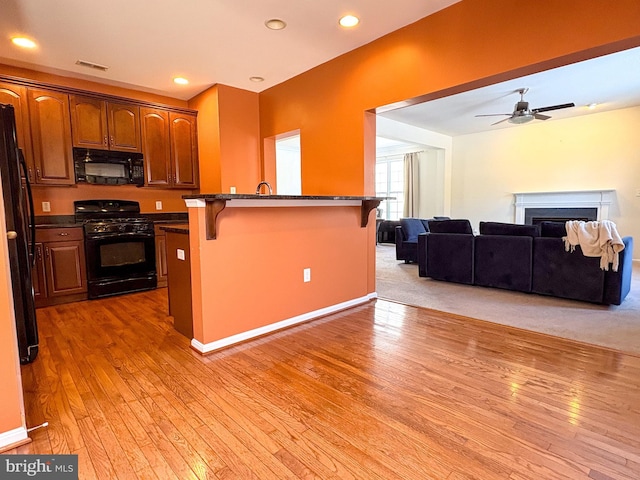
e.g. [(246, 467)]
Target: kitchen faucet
[(260, 185)]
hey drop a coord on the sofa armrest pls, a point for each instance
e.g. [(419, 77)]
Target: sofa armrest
[(617, 284)]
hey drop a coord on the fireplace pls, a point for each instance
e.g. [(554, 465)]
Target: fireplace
[(533, 216), (534, 207)]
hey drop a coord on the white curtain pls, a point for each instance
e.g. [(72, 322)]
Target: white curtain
[(411, 185)]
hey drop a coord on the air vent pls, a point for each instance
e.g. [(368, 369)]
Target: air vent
[(95, 66)]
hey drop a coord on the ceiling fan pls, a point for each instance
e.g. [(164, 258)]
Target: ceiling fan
[(522, 113)]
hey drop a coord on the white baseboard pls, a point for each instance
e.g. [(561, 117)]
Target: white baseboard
[(257, 332), (11, 437)]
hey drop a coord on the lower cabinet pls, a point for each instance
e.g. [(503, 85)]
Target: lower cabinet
[(161, 256), (60, 273)]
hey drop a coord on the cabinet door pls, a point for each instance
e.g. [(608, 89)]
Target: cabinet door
[(51, 137), (156, 148), (17, 96), (65, 268), (38, 278), (89, 122), (184, 150), (124, 127)]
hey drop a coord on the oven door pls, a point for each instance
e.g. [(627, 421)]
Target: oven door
[(120, 263)]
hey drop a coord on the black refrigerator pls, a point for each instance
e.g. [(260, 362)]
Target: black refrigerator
[(20, 231)]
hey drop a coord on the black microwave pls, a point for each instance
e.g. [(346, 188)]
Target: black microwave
[(102, 167)]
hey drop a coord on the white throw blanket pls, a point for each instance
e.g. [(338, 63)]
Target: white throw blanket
[(596, 239)]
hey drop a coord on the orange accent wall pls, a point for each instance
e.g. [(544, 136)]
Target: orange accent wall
[(252, 274), (228, 139), (473, 42), (11, 398)]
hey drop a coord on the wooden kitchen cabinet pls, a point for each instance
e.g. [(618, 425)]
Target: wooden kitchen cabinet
[(105, 125), (161, 256), (51, 137), (184, 149), (170, 148), (16, 95), (62, 275)]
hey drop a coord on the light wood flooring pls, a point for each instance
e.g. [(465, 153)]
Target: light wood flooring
[(381, 391)]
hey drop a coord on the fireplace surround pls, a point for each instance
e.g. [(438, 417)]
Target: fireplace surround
[(532, 207)]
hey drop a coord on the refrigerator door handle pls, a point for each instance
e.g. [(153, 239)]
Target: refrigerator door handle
[(32, 216)]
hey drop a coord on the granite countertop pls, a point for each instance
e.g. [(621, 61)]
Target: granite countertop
[(248, 196), (176, 228)]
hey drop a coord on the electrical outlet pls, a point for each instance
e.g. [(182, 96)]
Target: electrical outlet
[(306, 274), (180, 254), (158, 205), (46, 206), (232, 190)]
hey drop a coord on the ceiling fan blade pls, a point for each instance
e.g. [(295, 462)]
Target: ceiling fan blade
[(537, 116), (553, 107), (494, 114), (500, 121)]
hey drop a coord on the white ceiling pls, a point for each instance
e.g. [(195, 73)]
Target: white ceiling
[(611, 81), (147, 43)]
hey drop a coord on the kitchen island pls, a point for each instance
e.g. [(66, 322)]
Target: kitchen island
[(260, 263)]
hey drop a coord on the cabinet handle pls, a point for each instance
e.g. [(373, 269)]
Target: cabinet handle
[(38, 174), (38, 254), (46, 252), (30, 174), (175, 178), (105, 141), (63, 234), (112, 142)]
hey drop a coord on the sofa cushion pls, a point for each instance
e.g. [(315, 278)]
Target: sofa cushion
[(450, 226), (412, 227), (497, 228), (553, 229)]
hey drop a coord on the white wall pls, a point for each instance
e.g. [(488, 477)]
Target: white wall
[(435, 163), (591, 152)]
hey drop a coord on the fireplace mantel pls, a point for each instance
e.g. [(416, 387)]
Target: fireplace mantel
[(600, 199)]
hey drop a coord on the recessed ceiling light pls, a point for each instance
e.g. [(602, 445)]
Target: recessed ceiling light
[(23, 42), (275, 24), (181, 81), (256, 79), (349, 21)]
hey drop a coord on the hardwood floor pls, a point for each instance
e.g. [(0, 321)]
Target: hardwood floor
[(381, 391)]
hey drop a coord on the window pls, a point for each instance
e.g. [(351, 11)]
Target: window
[(390, 183)]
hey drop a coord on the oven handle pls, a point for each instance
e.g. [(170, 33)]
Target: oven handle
[(102, 236)]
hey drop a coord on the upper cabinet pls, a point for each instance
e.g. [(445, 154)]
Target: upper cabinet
[(105, 125), (51, 137), (16, 95), (170, 148)]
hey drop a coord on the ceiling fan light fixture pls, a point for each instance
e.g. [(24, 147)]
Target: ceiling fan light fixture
[(519, 118)]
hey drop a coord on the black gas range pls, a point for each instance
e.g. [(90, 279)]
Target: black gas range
[(119, 247)]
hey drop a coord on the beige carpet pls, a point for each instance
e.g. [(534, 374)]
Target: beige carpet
[(613, 326)]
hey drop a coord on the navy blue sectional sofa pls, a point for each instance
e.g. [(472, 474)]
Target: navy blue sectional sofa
[(524, 258)]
